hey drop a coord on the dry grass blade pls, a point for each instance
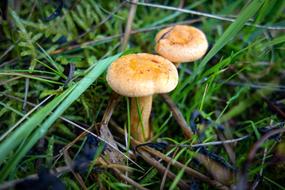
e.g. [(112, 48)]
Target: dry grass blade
[(165, 174), (109, 38), (113, 101), (218, 172), (77, 176), (182, 184), (24, 117), (11, 184), (243, 182), (258, 144), (207, 15), (123, 177), (212, 166), (84, 130), (128, 28), (219, 142), (228, 147), (81, 137), (175, 163), (106, 134), (178, 116), (188, 170)]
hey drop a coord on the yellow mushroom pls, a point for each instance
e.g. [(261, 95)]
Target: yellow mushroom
[(181, 43), (140, 76)]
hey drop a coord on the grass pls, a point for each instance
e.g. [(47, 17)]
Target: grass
[(237, 89)]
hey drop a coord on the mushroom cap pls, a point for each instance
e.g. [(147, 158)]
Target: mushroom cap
[(181, 43), (142, 74)]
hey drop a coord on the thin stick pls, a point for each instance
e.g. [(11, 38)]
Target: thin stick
[(243, 182), (27, 84), (258, 144), (209, 164), (178, 116), (206, 15), (109, 38), (24, 117), (175, 163), (227, 146), (11, 184), (167, 169), (77, 176), (128, 28), (219, 142), (182, 184), (113, 101), (87, 131), (128, 180), (123, 177)]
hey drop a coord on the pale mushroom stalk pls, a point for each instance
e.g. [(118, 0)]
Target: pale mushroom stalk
[(140, 76), (140, 127)]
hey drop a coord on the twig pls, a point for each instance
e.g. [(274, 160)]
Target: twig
[(77, 176), (10, 184), (207, 15), (219, 142), (87, 131), (123, 177), (218, 171), (167, 169), (105, 132), (24, 117), (128, 180), (69, 145), (182, 184), (280, 88), (181, 4), (211, 165), (27, 82), (178, 116), (258, 144), (128, 28), (64, 169), (259, 176), (175, 163), (279, 111), (7, 51), (4, 82), (188, 170), (113, 101), (242, 183), (227, 146), (109, 38)]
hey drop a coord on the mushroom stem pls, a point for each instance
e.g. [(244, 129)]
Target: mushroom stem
[(140, 128)]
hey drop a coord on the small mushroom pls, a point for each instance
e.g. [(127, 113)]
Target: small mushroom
[(181, 43), (140, 76)]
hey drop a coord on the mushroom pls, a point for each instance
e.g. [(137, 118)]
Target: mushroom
[(140, 76), (181, 43)]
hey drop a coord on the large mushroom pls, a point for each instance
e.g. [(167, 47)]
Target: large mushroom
[(181, 43), (140, 76)]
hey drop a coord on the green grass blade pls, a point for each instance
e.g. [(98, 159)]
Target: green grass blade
[(227, 36), (53, 63), (73, 94), (30, 77), (12, 141)]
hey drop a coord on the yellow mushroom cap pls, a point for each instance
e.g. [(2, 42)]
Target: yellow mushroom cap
[(142, 74), (181, 43)]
